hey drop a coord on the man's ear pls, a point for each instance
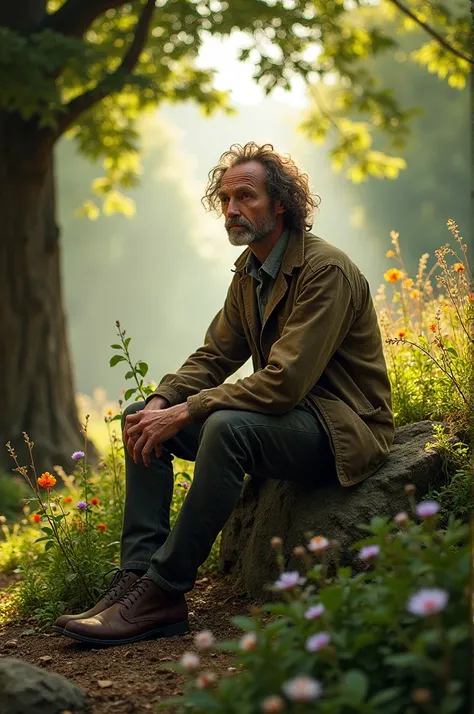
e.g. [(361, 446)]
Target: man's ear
[(279, 208)]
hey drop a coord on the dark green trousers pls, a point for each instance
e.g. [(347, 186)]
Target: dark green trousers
[(228, 445)]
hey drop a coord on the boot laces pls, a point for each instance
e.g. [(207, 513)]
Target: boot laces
[(135, 592), (112, 590)]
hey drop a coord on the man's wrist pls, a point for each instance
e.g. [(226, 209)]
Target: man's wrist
[(181, 412)]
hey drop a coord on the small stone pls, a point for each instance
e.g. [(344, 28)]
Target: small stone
[(231, 669), (11, 644), (104, 683), (45, 658), (128, 653), (166, 659)]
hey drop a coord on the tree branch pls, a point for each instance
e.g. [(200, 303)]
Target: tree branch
[(114, 80), (76, 16), (440, 40)]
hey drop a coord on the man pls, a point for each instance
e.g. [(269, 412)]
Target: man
[(316, 408)]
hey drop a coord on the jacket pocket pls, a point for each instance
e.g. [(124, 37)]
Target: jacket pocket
[(367, 411)]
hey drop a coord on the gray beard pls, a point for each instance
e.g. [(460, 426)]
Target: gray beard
[(246, 236)]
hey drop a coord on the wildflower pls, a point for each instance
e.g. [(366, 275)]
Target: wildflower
[(109, 412), (401, 518), (82, 505), (287, 581), (78, 455), (190, 661), (273, 704), (302, 689), (204, 640), (248, 642), (94, 501), (433, 327), (415, 294), (46, 480), (67, 499), (369, 552), (390, 254), (426, 509), (185, 485), (101, 527), (393, 275), (276, 542), (318, 642), (3, 519), (36, 518), (458, 267), (402, 333), (205, 679), (410, 488), (317, 544), (427, 601), (313, 612), (299, 551), (470, 297), (408, 283)]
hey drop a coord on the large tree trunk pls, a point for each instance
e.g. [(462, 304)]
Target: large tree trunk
[(36, 382)]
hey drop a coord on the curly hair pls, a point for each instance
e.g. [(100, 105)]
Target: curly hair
[(284, 182)]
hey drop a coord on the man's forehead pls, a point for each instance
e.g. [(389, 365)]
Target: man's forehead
[(250, 174)]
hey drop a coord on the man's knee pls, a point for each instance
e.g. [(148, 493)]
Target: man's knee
[(132, 409), (221, 423)]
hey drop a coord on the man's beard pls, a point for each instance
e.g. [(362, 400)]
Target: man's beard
[(249, 233)]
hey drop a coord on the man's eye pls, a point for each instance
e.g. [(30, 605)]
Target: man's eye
[(246, 195), (224, 199)]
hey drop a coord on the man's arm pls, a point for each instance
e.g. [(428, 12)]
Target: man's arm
[(320, 319), (224, 351)]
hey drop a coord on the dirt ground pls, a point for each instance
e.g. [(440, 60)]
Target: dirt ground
[(134, 684)]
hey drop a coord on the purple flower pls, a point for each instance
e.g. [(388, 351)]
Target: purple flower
[(78, 455), (369, 552), (426, 509), (185, 485), (313, 612), (287, 581), (82, 505), (318, 642)]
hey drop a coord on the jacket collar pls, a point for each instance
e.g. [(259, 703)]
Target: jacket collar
[(293, 257)]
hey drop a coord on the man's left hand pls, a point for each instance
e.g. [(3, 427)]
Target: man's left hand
[(152, 427)]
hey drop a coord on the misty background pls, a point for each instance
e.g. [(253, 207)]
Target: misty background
[(164, 273)]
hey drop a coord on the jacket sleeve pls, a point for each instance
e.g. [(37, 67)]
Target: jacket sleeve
[(225, 349), (321, 317)]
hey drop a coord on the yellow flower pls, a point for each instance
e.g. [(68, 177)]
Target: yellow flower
[(109, 412), (458, 267), (393, 275), (415, 293), (408, 283), (402, 333), (46, 480), (390, 254)]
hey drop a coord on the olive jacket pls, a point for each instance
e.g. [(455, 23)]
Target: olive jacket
[(319, 341)]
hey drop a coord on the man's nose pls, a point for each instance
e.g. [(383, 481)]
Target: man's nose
[(232, 208)]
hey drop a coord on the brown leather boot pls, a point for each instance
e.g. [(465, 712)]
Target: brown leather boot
[(144, 612), (121, 582)]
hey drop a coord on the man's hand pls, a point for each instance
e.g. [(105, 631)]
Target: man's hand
[(150, 427), (154, 404)]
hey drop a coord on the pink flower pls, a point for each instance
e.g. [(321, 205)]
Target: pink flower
[(426, 509), (318, 642), (401, 518), (302, 689), (287, 581), (317, 544), (205, 679), (248, 642), (427, 601), (190, 661), (204, 640), (313, 612), (272, 704), (369, 552)]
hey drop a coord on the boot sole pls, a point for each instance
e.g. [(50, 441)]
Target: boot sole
[(179, 628)]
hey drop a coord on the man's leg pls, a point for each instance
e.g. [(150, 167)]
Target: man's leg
[(232, 443), (148, 494)]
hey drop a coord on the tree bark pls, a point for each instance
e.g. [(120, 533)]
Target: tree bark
[(37, 393)]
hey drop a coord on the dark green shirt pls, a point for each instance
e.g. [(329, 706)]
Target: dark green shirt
[(265, 274)]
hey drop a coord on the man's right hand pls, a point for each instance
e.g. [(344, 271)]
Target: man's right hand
[(154, 404)]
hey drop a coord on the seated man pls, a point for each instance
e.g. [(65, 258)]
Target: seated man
[(317, 406)]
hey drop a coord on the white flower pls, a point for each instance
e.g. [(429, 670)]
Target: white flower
[(401, 518), (426, 509), (276, 541), (317, 544), (190, 661), (318, 642), (272, 704), (248, 641), (369, 552), (427, 601), (313, 612), (204, 640), (287, 581), (302, 689), (205, 679)]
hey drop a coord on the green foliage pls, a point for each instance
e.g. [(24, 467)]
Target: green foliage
[(12, 490), (376, 652)]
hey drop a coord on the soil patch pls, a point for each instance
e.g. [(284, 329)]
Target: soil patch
[(134, 682)]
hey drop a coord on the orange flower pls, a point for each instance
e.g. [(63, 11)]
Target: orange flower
[(415, 293), (393, 275), (46, 480), (470, 297), (101, 527), (402, 333), (433, 327), (390, 254), (458, 267), (67, 499), (36, 518), (94, 501), (109, 412)]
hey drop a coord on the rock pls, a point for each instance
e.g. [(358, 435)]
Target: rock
[(270, 508), (26, 689)]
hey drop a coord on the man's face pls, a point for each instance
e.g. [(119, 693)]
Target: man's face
[(249, 213)]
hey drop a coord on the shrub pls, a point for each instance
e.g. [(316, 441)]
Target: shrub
[(393, 639)]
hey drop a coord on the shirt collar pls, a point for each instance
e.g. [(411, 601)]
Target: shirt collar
[(273, 261)]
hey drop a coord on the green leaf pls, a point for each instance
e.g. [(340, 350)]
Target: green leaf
[(116, 359), (142, 368), (332, 597), (129, 393), (130, 374), (47, 530), (50, 544), (384, 696), (245, 623), (116, 347), (357, 684)]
